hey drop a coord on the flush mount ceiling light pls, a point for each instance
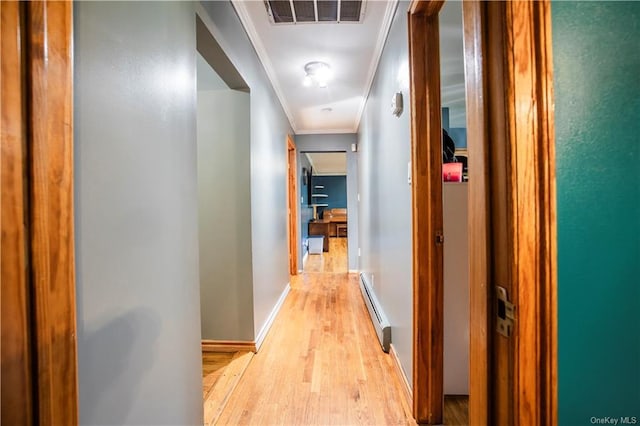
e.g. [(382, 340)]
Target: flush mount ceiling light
[(317, 72)]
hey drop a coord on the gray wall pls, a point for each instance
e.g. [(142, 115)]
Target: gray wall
[(269, 128), (338, 142), (136, 214), (385, 195), (224, 199)]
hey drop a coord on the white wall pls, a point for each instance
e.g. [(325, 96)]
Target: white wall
[(269, 127), (456, 289), (224, 199), (136, 209), (333, 143), (385, 195)]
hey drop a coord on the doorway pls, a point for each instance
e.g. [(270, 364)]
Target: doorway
[(455, 217), (292, 205), (224, 223), (512, 203), (324, 218)]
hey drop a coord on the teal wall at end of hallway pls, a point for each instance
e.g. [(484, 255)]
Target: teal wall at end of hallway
[(597, 96), (336, 189)]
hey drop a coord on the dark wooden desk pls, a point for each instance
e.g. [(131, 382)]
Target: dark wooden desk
[(320, 227)]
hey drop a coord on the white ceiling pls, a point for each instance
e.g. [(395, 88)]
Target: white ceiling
[(353, 51), (328, 163)]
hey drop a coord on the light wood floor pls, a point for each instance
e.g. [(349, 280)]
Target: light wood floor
[(335, 260), (221, 373), (321, 363), (456, 410)]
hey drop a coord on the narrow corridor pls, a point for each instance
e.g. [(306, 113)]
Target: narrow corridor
[(321, 363)]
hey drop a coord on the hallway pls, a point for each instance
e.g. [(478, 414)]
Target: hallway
[(321, 362)]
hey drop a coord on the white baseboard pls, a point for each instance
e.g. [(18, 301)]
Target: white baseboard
[(304, 258), (406, 388), (354, 271), (272, 316)]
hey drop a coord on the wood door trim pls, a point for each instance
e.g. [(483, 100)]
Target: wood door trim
[(50, 182), (17, 372), (292, 201), (531, 156), (425, 7), (479, 212), (228, 346), (427, 221), (512, 192)]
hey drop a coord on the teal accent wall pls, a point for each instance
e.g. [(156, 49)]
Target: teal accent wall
[(336, 189), (458, 134), (596, 49)]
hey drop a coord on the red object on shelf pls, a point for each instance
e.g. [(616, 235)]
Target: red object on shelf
[(452, 172)]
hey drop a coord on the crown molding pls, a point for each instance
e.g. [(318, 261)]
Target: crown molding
[(377, 54), (250, 29)]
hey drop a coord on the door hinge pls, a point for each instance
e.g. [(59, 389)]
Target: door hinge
[(505, 312)]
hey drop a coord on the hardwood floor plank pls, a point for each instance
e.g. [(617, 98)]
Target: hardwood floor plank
[(335, 260), (321, 363), (227, 377), (456, 410), (213, 364)]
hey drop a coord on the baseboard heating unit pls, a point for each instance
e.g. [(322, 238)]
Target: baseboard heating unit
[(378, 318)]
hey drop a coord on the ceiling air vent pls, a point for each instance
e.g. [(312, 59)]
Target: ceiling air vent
[(313, 11)]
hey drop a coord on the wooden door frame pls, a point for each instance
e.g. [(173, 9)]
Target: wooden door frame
[(518, 102), (292, 205), (37, 172), (427, 220), (509, 85)]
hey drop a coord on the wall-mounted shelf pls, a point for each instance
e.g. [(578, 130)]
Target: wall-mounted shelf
[(319, 195), (315, 209), (319, 187)]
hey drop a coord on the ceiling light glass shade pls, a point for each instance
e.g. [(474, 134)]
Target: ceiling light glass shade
[(317, 72)]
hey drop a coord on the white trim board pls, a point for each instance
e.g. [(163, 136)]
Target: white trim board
[(272, 316), (255, 40), (402, 376), (389, 14)]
